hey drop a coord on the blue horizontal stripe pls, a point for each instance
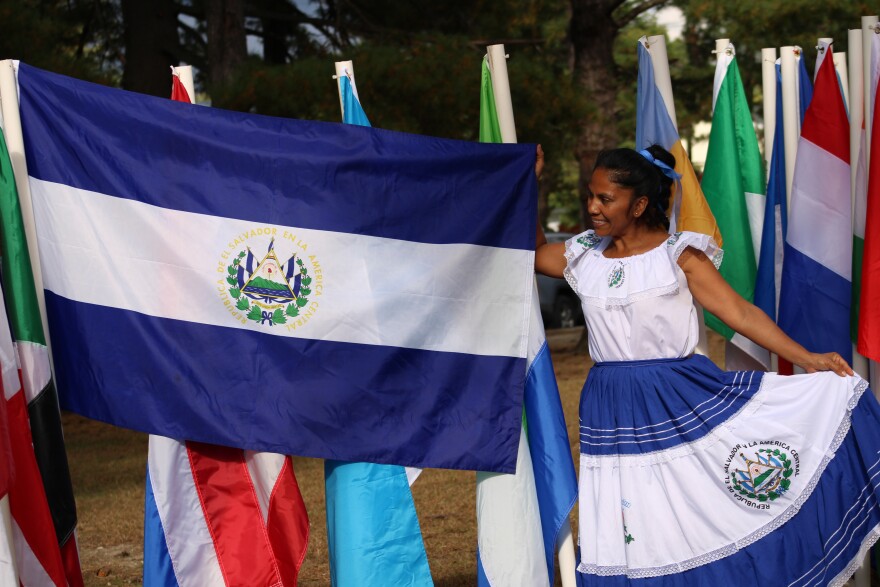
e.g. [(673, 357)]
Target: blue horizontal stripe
[(313, 175), (814, 305), (660, 405), (232, 387), (818, 542)]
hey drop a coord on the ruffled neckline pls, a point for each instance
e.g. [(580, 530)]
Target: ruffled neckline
[(620, 281)]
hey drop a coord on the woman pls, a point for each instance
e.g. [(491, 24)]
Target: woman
[(690, 475)]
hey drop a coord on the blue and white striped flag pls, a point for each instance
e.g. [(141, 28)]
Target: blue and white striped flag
[(402, 341)]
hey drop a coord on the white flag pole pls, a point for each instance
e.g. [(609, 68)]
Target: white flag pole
[(501, 89), (821, 50), (662, 79), (15, 144), (342, 68), (842, 74), (790, 115), (504, 111), (856, 113), (768, 84), (856, 101), (185, 74), (868, 31), (721, 46)]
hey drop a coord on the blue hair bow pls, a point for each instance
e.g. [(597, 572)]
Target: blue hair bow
[(674, 176)]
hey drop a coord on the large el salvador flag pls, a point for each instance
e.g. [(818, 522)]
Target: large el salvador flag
[(287, 286)]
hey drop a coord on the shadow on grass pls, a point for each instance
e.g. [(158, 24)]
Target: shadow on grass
[(461, 580)]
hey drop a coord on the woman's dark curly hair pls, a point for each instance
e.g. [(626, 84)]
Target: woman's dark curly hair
[(630, 169)]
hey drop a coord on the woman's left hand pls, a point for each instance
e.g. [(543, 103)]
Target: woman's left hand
[(539, 161), (827, 362)]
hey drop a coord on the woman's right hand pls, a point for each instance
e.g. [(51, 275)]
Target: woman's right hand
[(826, 362)]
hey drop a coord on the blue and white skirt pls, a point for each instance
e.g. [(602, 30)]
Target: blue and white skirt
[(690, 475)]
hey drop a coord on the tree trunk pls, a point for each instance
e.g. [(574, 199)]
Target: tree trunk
[(593, 31), (227, 47), (151, 45)]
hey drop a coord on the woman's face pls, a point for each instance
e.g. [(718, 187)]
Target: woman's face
[(611, 206)]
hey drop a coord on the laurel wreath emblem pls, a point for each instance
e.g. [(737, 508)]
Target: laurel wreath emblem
[(783, 486), (252, 311)]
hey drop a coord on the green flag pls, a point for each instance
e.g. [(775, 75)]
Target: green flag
[(20, 297), (490, 132), (735, 187)]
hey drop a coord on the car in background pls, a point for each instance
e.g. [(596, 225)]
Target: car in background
[(560, 306)]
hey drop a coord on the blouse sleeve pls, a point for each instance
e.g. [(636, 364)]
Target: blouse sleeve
[(576, 251), (679, 241)]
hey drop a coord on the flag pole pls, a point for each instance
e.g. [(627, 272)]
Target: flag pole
[(504, 110), (720, 47), (856, 105), (501, 89), (768, 83), (662, 79), (868, 24), (821, 50), (15, 145), (790, 115), (342, 68), (185, 74), (841, 69)]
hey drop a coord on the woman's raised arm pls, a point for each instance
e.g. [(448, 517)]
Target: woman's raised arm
[(716, 296)]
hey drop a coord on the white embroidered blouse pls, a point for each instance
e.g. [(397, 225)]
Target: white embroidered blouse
[(637, 307)]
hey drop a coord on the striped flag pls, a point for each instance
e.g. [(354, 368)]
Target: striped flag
[(370, 507), (869, 309), (817, 270), (655, 127), (733, 183), (519, 517), (769, 273), (41, 497), (271, 296), (217, 516)]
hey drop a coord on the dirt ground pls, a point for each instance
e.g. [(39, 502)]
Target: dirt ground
[(108, 466)]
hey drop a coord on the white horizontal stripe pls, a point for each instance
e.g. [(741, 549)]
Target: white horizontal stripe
[(166, 263), (35, 372), (755, 205), (8, 359), (186, 532), (820, 220), (264, 468)]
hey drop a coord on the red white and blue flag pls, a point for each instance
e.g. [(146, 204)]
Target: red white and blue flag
[(816, 290)]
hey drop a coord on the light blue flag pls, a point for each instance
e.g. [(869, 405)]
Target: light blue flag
[(373, 530)]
